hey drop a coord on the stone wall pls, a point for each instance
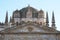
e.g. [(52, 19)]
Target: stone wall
[(30, 37)]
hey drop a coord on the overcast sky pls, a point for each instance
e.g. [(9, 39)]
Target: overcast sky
[(46, 5)]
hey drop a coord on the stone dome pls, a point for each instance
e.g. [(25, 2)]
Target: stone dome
[(41, 11)]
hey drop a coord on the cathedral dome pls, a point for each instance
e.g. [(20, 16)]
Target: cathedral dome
[(24, 10)]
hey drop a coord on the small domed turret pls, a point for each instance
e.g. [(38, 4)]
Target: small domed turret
[(41, 14), (41, 11)]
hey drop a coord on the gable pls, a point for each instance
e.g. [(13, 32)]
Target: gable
[(28, 27)]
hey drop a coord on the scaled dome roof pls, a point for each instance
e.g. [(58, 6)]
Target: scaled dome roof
[(26, 9)]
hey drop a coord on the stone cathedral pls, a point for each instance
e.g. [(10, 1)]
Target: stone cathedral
[(29, 24)]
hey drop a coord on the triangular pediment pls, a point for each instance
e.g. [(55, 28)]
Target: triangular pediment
[(29, 27)]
